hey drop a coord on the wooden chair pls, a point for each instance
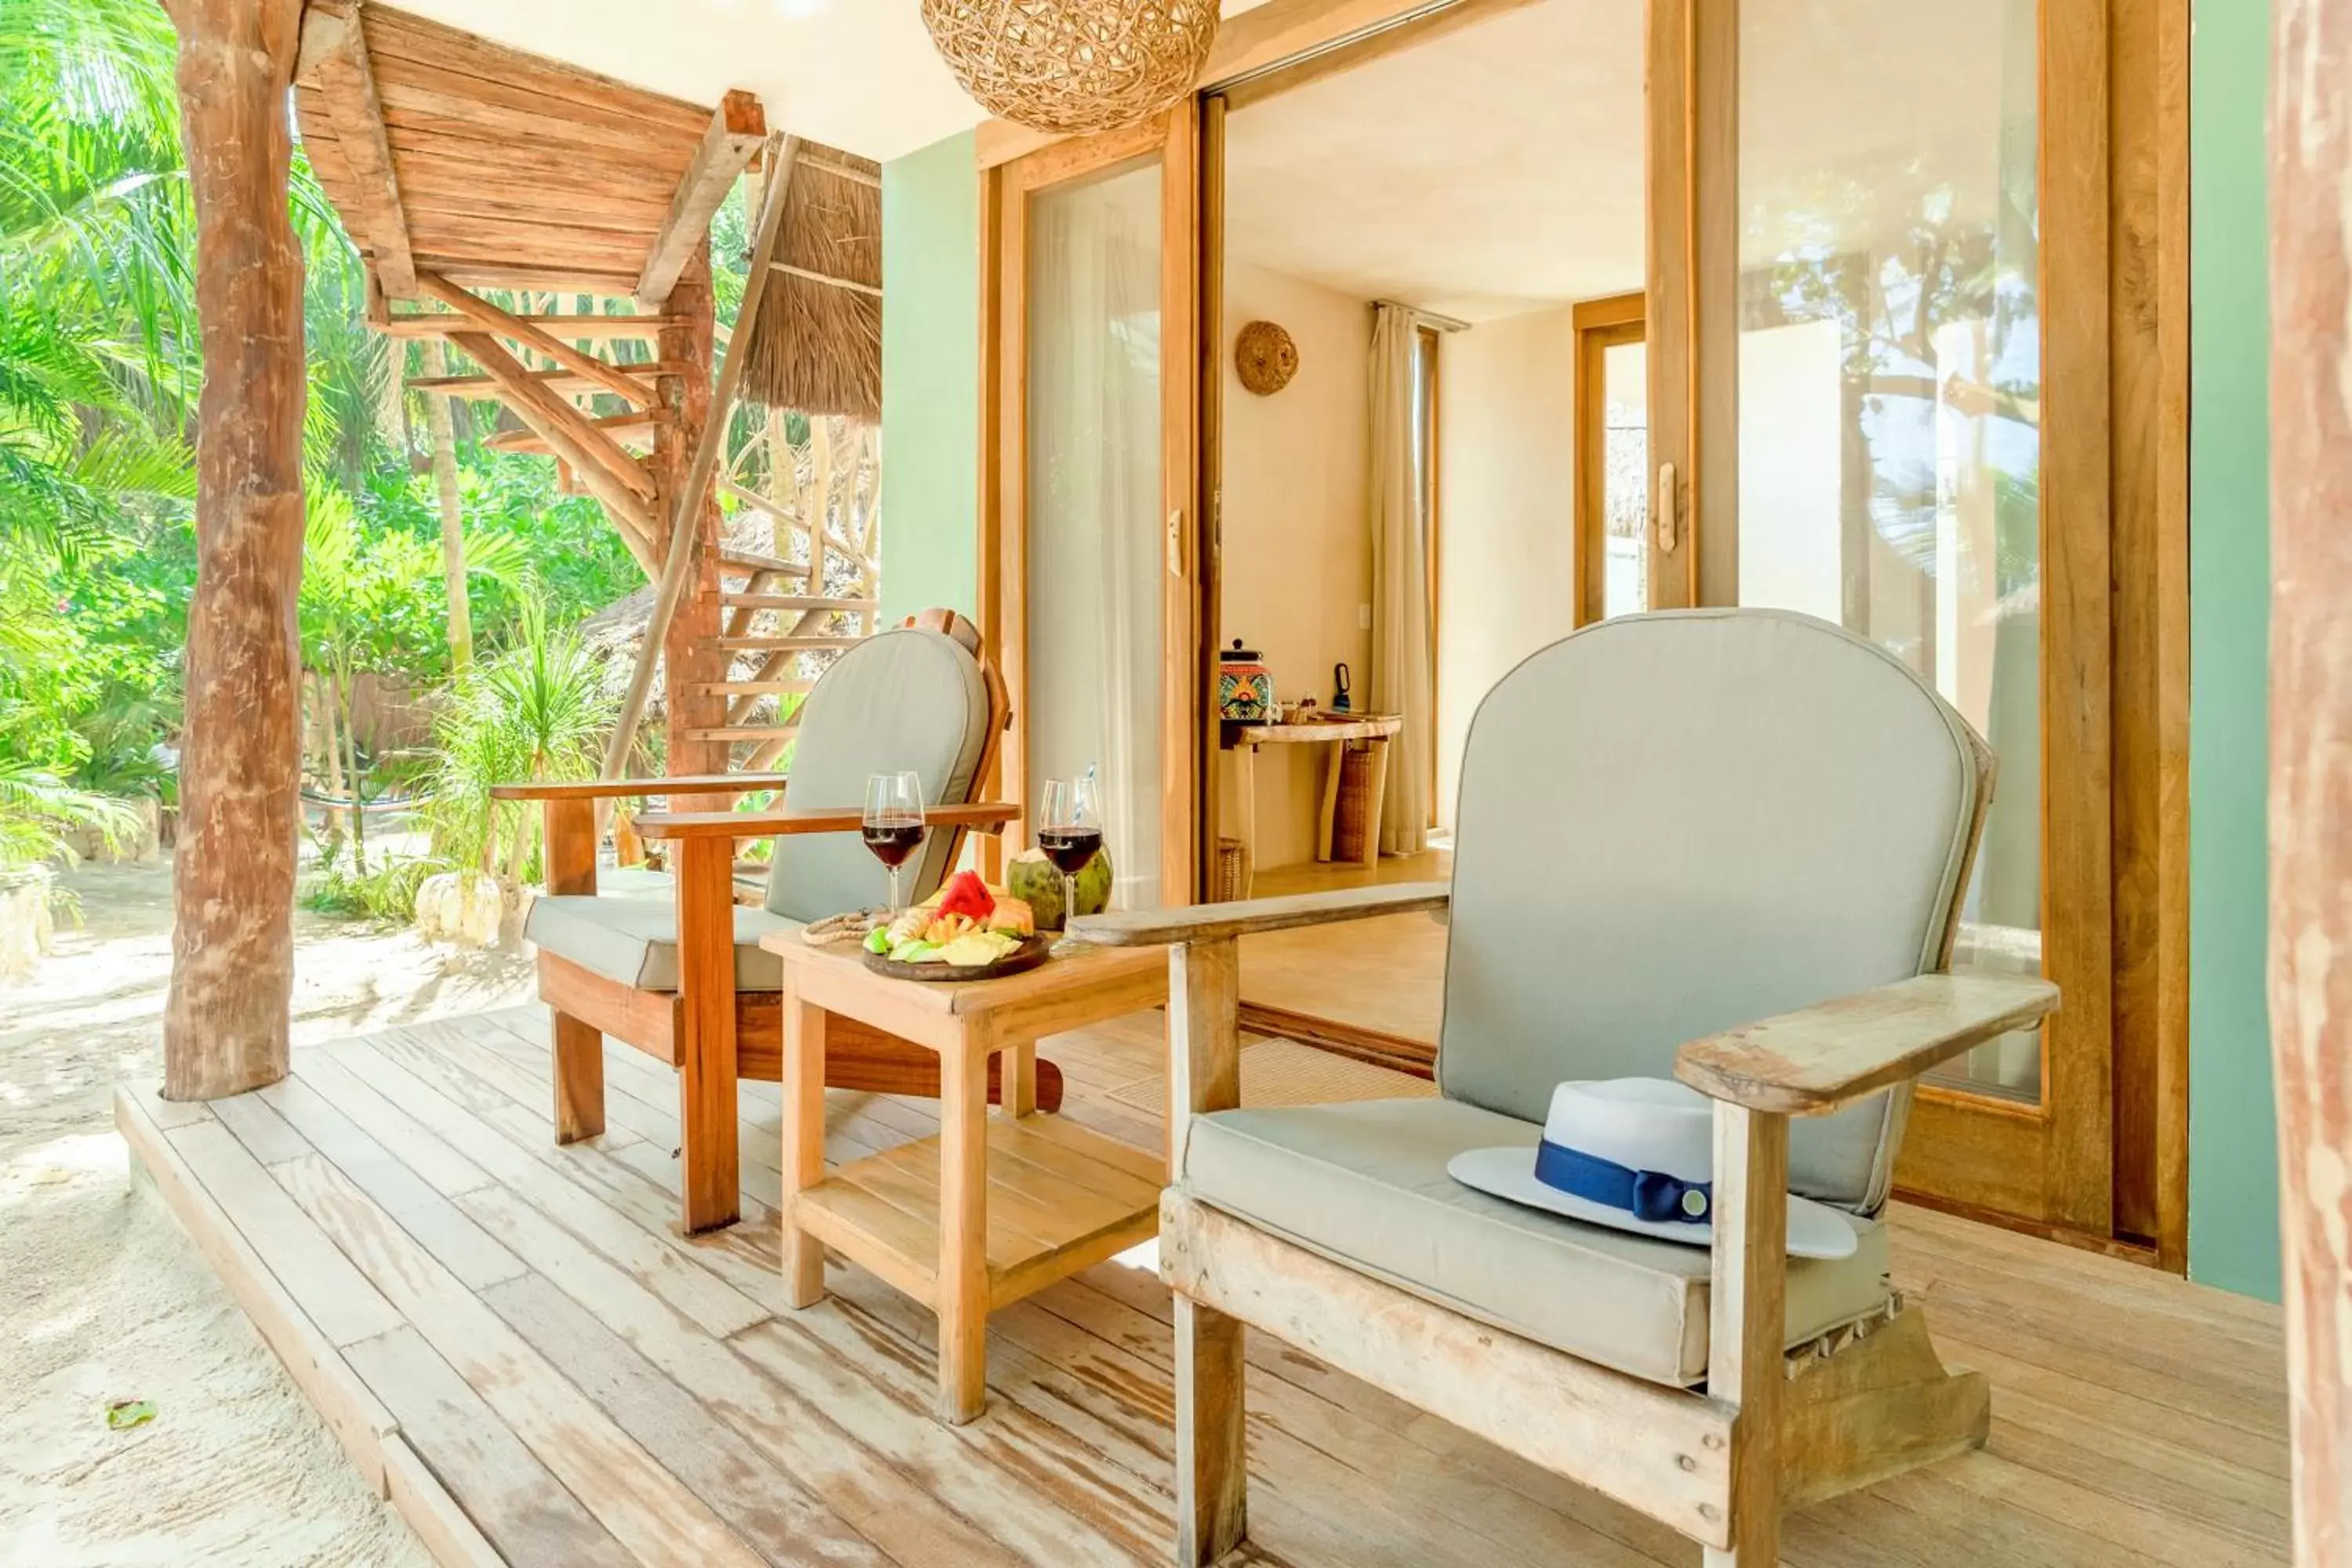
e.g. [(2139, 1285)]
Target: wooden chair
[(1677, 835), (686, 981)]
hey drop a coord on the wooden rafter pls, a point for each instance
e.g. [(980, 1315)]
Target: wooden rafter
[(552, 380), (571, 328), (506, 324), (595, 459), (334, 55), (619, 426), (814, 276), (737, 127)]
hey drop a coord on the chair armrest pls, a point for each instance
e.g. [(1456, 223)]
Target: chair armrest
[(1815, 1059), (1209, 922), (626, 789), (988, 816)]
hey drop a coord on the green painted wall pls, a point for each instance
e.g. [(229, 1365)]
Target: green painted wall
[(2233, 1236), (930, 379)]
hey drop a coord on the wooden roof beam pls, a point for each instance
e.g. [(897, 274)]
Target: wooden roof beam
[(561, 381), (570, 327), (619, 480), (334, 52), (637, 394), (619, 426), (737, 129), (788, 270)]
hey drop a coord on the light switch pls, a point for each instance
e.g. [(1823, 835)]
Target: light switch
[(1364, 617)]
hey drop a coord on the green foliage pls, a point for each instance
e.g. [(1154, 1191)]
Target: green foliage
[(383, 892), (99, 372), (540, 711), (37, 809)]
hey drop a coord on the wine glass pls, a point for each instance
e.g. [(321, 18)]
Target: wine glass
[(1070, 832), (893, 826)]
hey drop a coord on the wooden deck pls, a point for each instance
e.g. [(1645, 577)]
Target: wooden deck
[(517, 1349)]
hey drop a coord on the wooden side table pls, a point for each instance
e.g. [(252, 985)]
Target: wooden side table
[(993, 1208), (1246, 739)]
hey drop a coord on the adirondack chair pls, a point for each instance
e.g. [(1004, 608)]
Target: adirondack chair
[(1730, 846), (686, 981)]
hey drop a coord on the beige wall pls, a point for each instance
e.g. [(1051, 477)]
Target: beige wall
[(1505, 512), (1297, 558)]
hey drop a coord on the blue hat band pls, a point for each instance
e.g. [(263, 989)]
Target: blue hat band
[(1652, 1196)]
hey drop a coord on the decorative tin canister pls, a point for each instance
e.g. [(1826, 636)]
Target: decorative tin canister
[(1244, 685)]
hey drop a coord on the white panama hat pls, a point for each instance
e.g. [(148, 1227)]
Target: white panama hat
[(1637, 1154)]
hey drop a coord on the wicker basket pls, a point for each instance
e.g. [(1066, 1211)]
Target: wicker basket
[(1355, 811), (1231, 879)]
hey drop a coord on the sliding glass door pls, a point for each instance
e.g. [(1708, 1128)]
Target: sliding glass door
[(1889, 336), (1092, 589)]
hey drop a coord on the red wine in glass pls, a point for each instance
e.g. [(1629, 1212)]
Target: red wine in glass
[(892, 823), (1070, 832), (892, 842), (1070, 848)]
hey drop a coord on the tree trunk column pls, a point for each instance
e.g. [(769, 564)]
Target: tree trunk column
[(687, 655), (2311, 745), (225, 1022)]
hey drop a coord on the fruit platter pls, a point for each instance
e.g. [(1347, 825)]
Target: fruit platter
[(968, 930)]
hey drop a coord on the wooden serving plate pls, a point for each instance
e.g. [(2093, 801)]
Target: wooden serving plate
[(1033, 952)]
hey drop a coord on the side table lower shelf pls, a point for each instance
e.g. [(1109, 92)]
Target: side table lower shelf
[(1060, 1198)]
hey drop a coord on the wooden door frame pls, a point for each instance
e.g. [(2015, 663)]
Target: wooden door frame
[(1600, 325), (1005, 193), (2114, 698)]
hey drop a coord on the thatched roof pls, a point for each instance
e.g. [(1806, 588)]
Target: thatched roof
[(817, 346)]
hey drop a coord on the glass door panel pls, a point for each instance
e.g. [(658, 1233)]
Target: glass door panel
[(1612, 458), (1094, 529), (1890, 349), (1624, 477)]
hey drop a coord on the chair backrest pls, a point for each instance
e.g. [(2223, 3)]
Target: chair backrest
[(921, 697), (1672, 824)]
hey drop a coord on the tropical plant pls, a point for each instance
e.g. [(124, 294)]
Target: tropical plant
[(538, 711), (41, 811)]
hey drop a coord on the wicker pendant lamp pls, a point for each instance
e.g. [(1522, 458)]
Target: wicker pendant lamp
[(1074, 66)]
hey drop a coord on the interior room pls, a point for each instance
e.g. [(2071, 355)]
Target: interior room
[(1458, 180)]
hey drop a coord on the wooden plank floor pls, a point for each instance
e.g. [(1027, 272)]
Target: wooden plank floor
[(514, 1345)]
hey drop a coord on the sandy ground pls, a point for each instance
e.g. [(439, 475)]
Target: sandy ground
[(102, 1298)]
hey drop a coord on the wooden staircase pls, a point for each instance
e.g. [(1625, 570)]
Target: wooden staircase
[(789, 583), (787, 612)]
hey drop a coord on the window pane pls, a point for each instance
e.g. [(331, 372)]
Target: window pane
[(1625, 485), (1890, 381), (1094, 538)]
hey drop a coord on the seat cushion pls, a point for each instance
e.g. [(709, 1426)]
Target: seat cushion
[(635, 941), (1365, 1184)]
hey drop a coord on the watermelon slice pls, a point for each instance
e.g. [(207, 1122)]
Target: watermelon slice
[(966, 894)]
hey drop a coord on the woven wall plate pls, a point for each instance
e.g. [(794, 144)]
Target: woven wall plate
[(1074, 66), (1264, 358)]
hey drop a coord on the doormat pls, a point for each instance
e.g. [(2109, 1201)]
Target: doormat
[(1283, 1072)]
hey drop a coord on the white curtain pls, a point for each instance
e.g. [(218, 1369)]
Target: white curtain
[(1093, 608), (1400, 673)]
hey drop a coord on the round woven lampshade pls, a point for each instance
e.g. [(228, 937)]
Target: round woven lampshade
[(1074, 66)]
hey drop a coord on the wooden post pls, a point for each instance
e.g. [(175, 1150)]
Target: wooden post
[(2311, 746), (226, 1018), (687, 654)]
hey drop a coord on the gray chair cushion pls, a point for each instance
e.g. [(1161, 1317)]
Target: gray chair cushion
[(1673, 824), (1365, 1184), (635, 941), (907, 699)]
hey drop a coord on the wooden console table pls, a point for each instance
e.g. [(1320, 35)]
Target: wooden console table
[(1246, 739), (993, 1208)]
